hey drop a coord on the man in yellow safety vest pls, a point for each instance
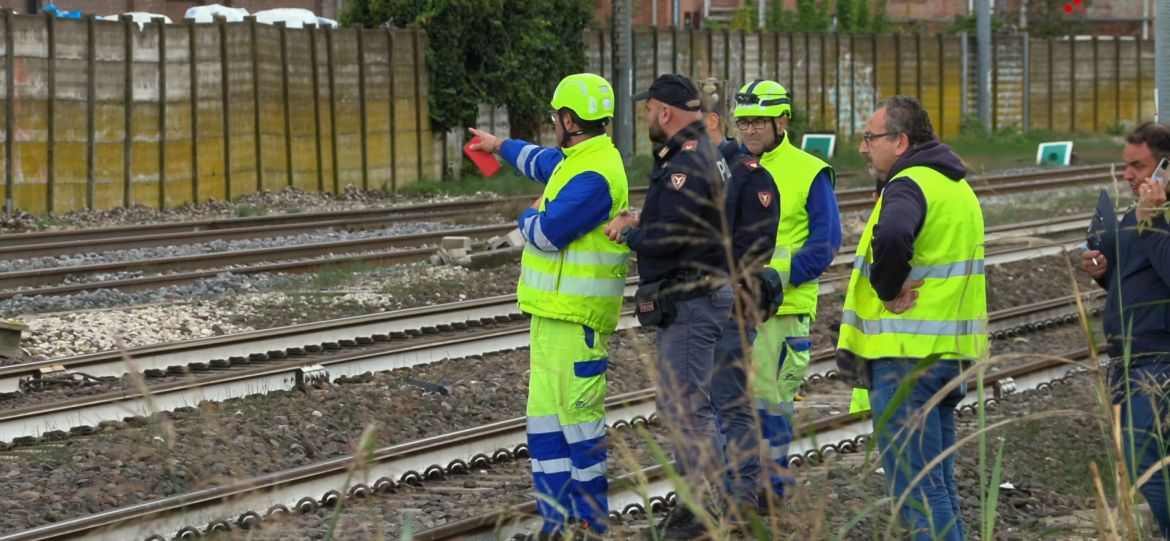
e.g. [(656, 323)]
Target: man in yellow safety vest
[(572, 281), (916, 299), (807, 239)]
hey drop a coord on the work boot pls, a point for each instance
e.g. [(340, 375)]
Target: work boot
[(680, 524)]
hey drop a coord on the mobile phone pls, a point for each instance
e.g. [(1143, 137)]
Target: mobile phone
[(484, 160), (1162, 172)]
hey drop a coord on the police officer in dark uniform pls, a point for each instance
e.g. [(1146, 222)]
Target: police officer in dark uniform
[(753, 210), (683, 289)]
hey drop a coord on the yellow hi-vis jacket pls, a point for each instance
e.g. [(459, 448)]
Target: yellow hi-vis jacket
[(585, 282), (950, 317)]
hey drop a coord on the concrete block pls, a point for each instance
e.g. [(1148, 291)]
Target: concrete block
[(457, 253), (484, 260), (515, 238), (456, 243), (496, 243)]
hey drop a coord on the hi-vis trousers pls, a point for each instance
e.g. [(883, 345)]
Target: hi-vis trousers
[(566, 422), (780, 359)]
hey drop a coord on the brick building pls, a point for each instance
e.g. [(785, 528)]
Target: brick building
[(175, 9), (1109, 17)]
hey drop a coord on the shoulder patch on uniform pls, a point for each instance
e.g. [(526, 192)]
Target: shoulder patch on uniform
[(678, 180), (765, 198), (690, 146), (754, 165)]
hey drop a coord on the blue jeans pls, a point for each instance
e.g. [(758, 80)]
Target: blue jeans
[(733, 403), (686, 360), (908, 442), (1146, 442)]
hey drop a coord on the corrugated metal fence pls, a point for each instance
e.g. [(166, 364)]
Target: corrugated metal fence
[(100, 114), (1086, 84)]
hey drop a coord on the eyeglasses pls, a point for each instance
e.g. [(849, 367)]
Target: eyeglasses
[(553, 115), (869, 137), (758, 123)]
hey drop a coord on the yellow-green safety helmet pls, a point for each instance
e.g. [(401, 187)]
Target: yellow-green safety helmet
[(588, 95), (762, 98)]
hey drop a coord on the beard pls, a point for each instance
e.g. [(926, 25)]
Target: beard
[(657, 134)]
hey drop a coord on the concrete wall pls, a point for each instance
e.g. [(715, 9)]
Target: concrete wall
[(835, 79), (175, 9), (91, 129)]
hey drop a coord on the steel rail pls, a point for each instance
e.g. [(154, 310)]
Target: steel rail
[(70, 242), (79, 414), (999, 189), (204, 511), (200, 350), (289, 490), (57, 275), (242, 345), (994, 234)]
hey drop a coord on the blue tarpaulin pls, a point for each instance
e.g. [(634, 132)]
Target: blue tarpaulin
[(63, 14)]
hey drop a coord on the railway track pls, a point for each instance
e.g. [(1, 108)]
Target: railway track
[(48, 282), (248, 503), (195, 355), (221, 368), (72, 242)]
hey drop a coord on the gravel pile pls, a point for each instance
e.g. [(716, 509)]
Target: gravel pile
[(219, 246), (287, 201), (224, 284), (78, 333), (229, 304)]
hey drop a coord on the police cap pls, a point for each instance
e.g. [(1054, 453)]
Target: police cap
[(673, 90)]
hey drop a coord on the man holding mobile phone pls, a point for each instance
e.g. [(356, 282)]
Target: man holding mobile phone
[(1133, 265)]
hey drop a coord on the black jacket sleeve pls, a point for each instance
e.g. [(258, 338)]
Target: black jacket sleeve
[(899, 224)]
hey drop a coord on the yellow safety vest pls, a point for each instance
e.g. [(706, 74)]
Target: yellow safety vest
[(951, 315), (794, 171), (585, 282)]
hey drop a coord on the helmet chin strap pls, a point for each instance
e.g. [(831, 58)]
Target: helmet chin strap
[(775, 137), (566, 134)]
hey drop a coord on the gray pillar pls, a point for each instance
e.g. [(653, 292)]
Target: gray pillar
[(622, 62), (676, 12), (1161, 57), (983, 73)]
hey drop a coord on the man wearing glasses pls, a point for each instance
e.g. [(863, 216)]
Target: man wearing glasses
[(806, 242), (924, 241)]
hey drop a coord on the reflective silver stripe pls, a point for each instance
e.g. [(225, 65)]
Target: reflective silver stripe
[(583, 258), (779, 451), (597, 258), (762, 404), (540, 240), (553, 256), (552, 465), (580, 432), (585, 287), (544, 424), (522, 159), (590, 473), (943, 271), (926, 327)]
